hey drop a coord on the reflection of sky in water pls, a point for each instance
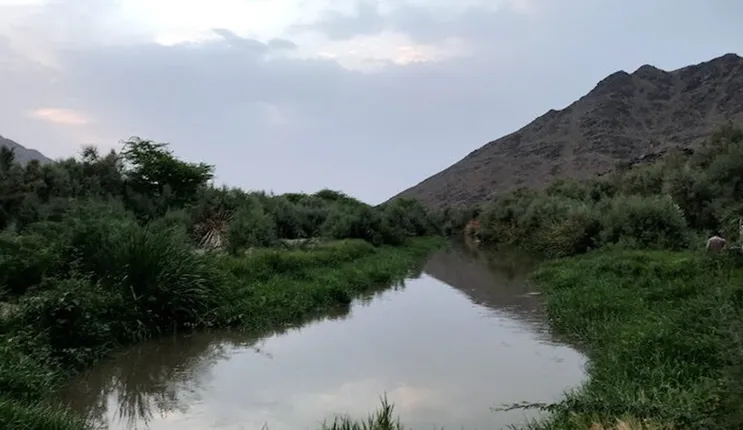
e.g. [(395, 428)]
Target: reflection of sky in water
[(442, 360)]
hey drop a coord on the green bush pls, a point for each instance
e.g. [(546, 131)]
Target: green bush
[(673, 203), (578, 231), (251, 227), (164, 280), (80, 320), (24, 261), (651, 222)]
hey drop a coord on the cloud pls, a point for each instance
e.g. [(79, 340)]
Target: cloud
[(427, 24), (61, 116), (308, 94)]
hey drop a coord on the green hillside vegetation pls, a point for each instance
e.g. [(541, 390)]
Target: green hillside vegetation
[(103, 251), (669, 204)]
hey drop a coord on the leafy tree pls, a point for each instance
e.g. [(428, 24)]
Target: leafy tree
[(153, 170)]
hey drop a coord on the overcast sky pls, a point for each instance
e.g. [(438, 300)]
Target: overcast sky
[(367, 96)]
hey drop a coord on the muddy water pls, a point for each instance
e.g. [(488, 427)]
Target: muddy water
[(463, 337)]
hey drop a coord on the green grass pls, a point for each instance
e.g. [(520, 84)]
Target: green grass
[(662, 333), (65, 325), (383, 419)]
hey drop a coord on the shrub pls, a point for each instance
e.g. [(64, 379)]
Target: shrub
[(24, 261), (644, 221), (251, 227), (165, 282), (77, 318)]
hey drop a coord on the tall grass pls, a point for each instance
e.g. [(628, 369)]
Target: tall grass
[(383, 419)]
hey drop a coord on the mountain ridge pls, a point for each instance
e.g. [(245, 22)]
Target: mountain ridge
[(624, 117), (22, 154)]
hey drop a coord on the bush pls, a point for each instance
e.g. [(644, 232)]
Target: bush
[(671, 203), (164, 280), (24, 261), (652, 222), (577, 232), (251, 227), (77, 317)]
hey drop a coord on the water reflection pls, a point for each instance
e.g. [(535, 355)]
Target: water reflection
[(448, 346), (163, 376), (496, 279)]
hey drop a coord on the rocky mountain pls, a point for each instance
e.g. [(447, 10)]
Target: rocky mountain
[(23, 155), (627, 116)]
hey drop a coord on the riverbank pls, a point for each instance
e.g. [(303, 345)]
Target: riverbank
[(70, 325), (662, 332)]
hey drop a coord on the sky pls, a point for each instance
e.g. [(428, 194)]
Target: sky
[(366, 96)]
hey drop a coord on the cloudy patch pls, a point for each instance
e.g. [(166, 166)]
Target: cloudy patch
[(61, 116)]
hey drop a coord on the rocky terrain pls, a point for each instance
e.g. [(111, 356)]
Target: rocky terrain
[(23, 154), (625, 117)]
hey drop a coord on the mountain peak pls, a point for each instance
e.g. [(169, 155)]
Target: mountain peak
[(614, 122)]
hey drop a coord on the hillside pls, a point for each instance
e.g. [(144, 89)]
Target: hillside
[(22, 154), (625, 117)]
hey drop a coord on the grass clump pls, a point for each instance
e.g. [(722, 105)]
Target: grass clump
[(383, 419)]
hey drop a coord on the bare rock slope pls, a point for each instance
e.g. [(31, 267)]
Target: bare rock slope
[(625, 117), (22, 154)]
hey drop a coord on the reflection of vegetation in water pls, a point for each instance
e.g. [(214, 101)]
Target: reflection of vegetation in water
[(163, 376), (150, 377), (511, 261), (166, 375), (496, 278), (367, 297)]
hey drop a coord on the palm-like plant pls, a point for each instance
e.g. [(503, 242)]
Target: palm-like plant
[(212, 229)]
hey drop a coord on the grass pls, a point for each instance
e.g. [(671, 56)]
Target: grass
[(154, 287), (382, 419), (662, 331)]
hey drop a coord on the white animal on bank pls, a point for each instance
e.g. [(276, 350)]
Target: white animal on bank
[(715, 243)]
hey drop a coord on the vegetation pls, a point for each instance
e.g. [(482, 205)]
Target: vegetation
[(664, 205), (662, 330), (660, 319), (105, 251), (101, 251)]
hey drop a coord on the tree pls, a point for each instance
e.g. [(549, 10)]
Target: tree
[(152, 169), (7, 159)]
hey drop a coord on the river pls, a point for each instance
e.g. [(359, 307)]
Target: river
[(464, 336)]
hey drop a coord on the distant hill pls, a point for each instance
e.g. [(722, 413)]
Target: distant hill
[(624, 118), (22, 154)]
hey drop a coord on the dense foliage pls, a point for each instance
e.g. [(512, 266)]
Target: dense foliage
[(146, 183), (107, 250), (667, 204)]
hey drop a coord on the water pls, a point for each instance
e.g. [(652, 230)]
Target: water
[(466, 336)]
